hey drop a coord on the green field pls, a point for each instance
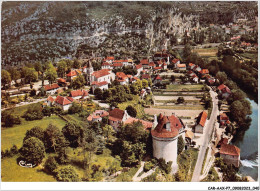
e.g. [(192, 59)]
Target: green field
[(180, 87), (12, 172), (139, 108), (15, 135), (181, 107)]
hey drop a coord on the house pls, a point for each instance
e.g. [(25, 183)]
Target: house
[(189, 135), (176, 61), (62, 82), (230, 154), (222, 141), (157, 80), (160, 56), (109, 59), (224, 91), (63, 102), (157, 69), (139, 69), (50, 101), (164, 66), (122, 78), (203, 73), (73, 74), (197, 68), (116, 65), (101, 76), (191, 66), (151, 65), (145, 63), (146, 124), (51, 89), (106, 65), (145, 76), (201, 121), (210, 80), (181, 67), (97, 116), (143, 93), (78, 94), (195, 78), (102, 85), (117, 117)]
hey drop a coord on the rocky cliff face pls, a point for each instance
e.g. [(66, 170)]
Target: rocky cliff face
[(36, 31)]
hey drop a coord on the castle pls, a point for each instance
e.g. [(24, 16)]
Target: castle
[(165, 135)]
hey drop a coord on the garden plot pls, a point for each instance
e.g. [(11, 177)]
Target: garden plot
[(175, 97)]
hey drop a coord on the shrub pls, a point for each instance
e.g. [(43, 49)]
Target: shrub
[(10, 119), (131, 111), (75, 108), (50, 164), (148, 166), (181, 144), (67, 174), (36, 131), (33, 113)]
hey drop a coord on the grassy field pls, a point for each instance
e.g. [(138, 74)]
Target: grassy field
[(180, 87), (249, 56), (181, 107), (15, 135), (206, 52), (12, 172), (139, 108)]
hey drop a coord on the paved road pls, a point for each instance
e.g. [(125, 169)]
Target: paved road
[(26, 103), (207, 135)]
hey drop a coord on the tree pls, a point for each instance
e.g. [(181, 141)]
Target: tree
[(15, 74), (107, 95), (75, 108), (73, 133), (239, 110), (79, 82), (29, 74), (221, 76), (172, 78), (5, 78), (131, 111), (36, 131), (180, 100), (144, 83), (51, 73), (76, 64), (10, 119), (38, 67), (50, 164), (181, 144), (34, 112), (98, 93), (62, 68), (33, 150), (67, 174), (238, 94), (186, 51), (54, 140), (42, 92)]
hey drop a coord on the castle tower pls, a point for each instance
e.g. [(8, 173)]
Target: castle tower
[(165, 137)]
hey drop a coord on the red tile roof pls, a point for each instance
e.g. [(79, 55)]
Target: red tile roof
[(146, 76), (223, 141), (223, 116), (51, 87), (203, 118), (50, 99), (158, 78), (229, 150), (105, 64), (63, 100), (146, 124), (72, 73), (118, 64), (161, 131), (110, 58), (175, 60), (139, 66), (61, 80), (116, 114), (181, 65), (204, 71), (151, 64), (99, 83), (121, 76), (223, 88), (76, 93), (97, 114), (144, 61), (100, 73), (158, 68)]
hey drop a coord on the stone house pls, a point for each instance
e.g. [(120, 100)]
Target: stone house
[(201, 121), (230, 154)]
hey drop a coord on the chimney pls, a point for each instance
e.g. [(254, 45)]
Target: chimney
[(155, 122), (168, 126)]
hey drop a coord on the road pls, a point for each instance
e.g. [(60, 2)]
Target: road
[(207, 135)]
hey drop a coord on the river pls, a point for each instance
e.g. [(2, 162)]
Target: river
[(248, 145)]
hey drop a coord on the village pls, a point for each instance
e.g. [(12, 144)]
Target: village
[(168, 109), (184, 98)]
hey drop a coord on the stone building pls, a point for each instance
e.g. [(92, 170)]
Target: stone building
[(165, 137)]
